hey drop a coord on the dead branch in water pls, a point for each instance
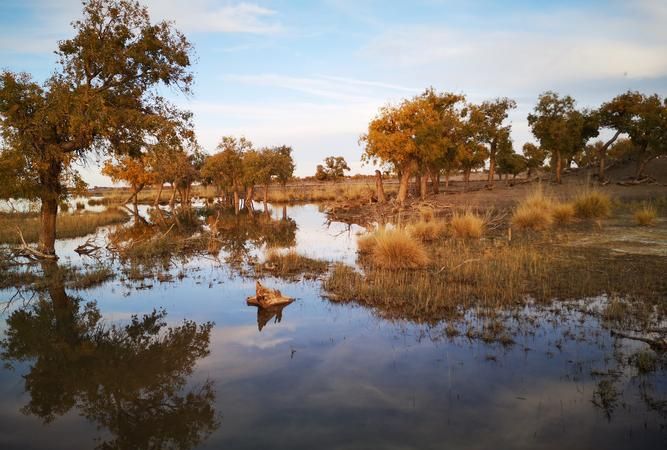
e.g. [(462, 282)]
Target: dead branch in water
[(28, 252), (658, 345)]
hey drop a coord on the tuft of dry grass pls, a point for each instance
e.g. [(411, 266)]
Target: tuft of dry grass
[(563, 213), (67, 225), (534, 212), (366, 243), (467, 225), (291, 263), (396, 249), (426, 230), (592, 205), (646, 215)]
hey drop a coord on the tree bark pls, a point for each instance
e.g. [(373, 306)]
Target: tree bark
[(379, 187), (603, 154), (435, 181), (492, 163), (249, 195), (47, 231), (559, 167), (403, 185), (447, 179), (172, 199), (423, 186), (159, 193), (236, 201), (266, 197)]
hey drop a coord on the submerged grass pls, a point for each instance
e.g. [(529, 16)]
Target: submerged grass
[(67, 225)]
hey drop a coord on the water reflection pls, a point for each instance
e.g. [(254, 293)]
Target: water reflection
[(264, 315), (131, 380)]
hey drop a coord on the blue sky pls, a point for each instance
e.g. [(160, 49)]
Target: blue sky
[(311, 74)]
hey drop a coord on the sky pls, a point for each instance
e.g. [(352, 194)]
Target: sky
[(312, 74)]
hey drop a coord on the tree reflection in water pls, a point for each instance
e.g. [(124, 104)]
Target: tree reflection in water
[(129, 379)]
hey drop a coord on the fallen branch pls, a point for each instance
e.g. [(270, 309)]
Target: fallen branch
[(658, 345), (31, 252)]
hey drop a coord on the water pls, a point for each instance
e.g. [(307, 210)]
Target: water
[(315, 375)]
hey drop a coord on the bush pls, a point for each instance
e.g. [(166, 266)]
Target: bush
[(646, 215), (592, 205), (467, 225), (396, 249), (534, 212)]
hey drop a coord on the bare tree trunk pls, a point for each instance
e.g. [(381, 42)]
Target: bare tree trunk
[(379, 187), (447, 179), (492, 163), (172, 199), (403, 185), (249, 194), (418, 182), (236, 201), (423, 186), (603, 154), (559, 167), (159, 193), (435, 181), (284, 212), (266, 197), (47, 230)]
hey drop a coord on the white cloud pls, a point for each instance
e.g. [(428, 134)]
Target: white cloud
[(206, 16), (514, 59)]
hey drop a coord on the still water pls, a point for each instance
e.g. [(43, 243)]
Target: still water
[(198, 368)]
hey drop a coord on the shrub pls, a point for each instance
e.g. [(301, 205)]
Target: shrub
[(366, 243), (563, 213), (80, 206), (396, 249), (467, 225), (592, 205), (646, 215)]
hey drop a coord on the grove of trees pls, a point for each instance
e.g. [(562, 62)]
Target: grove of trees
[(334, 169), (437, 133)]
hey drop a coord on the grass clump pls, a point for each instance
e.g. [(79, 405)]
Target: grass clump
[(645, 361), (291, 263), (563, 213), (467, 225), (394, 249), (534, 212), (646, 215), (592, 205), (426, 230)]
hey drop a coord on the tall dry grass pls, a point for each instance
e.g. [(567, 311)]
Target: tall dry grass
[(291, 263), (67, 225), (427, 231), (646, 215), (393, 249), (534, 212), (592, 205), (467, 225)]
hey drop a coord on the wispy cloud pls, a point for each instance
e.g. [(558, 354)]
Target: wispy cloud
[(325, 87)]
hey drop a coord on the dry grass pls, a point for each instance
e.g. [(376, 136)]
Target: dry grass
[(67, 225), (645, 216), (534, 212), (563, 213), (427, 231), (592, 205), (467, 225), (394, 249), (291, 263)]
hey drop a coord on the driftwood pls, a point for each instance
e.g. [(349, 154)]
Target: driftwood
[(28, 252), (266, 297), (659, 345)]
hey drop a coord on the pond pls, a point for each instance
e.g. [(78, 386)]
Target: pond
[(186, 363)]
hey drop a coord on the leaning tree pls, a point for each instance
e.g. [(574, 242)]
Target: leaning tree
[(103, 97)]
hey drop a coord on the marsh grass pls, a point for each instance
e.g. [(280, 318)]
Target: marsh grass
[(71, 277), (393, 249), (645, 215), (592, 204), (467, 225), (534, 212), (563, 213), (67, 225), (290, 264), (480, 274), (427, 230)]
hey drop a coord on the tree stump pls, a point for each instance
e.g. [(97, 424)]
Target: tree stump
[(266, 297)]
